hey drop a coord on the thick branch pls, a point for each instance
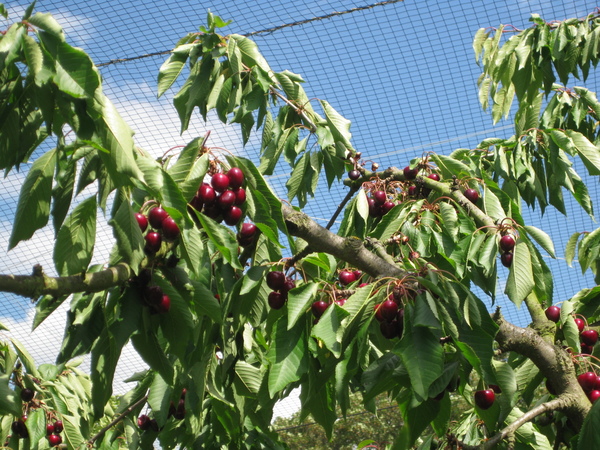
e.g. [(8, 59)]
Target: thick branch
[(552, 361), (348, 249), (558, 403), (38, 284)]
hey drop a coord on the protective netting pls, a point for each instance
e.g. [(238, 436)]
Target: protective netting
[(402, 71)]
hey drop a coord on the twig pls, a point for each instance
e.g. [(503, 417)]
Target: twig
[(117, 420), (349, 195), (311, 124)]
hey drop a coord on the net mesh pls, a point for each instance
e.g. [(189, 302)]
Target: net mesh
[(402, 71)]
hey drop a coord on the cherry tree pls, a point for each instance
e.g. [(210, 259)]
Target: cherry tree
[(234, 297)]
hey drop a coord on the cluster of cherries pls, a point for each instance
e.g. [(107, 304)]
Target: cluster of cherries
[(281, 285), (390, 316), (590, 383), (507, 244), (164, 226), (222, 197), (588, 338), (144, 421), (152, 295), (53, 430), (345, 277)]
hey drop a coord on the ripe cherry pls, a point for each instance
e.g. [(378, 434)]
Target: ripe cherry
[(412, 191), (49, 429), (153, 295), (27, 394), (341, 301), (236, 177), (389, 330), (153, 242), (587, 349), (594, 395), (219, 182), (506, 259), (19, 428), (142, 221), (143, 422), (580, 324), (507, 243), (354, 175), (380, 197), (54, 440), (156, 217), (587, 381), (553, 313), (240, 196), (434, 176), (318, 308), (389, 310), (232, 216), (170, 229), (58, 426), (346, 277), (165, 305), (288, 285), (248, 230), (472, 195), (276, 300), (357, 274), (589, 337), (484, 399), (226, 200), (386, 207), (206, 194), (410, 174), (275, 280)]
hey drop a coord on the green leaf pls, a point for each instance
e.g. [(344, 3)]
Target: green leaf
[(520, 279), (449, 219), (492, 205), (589, 436), (25, 357), (541, 238), (223, 238), (249, 375), (329, 328), (76, 239), (422, 355), (172, 68), (287, 355), (159, 398), (130, 242), (48, 23), (33, 208), (299, 301), (449, 167), (10, 403), (339, 125), (589, 153), (571, 246)]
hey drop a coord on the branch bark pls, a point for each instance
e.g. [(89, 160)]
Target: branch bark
[(38, 284), (554, 362), (348, 249)]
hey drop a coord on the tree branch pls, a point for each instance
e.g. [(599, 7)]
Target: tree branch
[(38, 284), (348, 249), (116, 420), (553, 405), (552, 361)]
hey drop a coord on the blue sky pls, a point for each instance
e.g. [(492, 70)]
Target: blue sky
[(404, 73)]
